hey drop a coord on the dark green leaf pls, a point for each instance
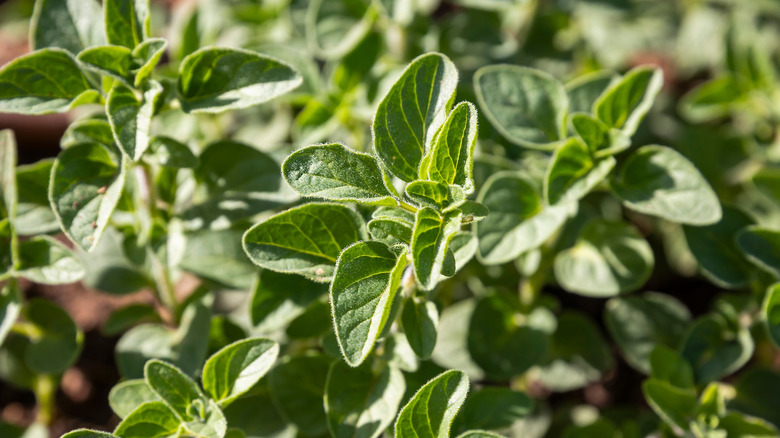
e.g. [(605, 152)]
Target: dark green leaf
[(362, 402), (297, 386), (70, 24), (411, 113), (715, 349), (430, 240), (518, 219), (771, 310), (493, 408), (212, 79), (573, 172), (336, 172), (235, 369), (390, 231), (762, 247), (147, 55), (601, 139), (624, 104), (58, 342), (659, 181), (435, 195), (420, 320), (114, 61), (43, 82), (127, 21), (758, 394), (668, 366), (609, 258), (305, 240), (431, 410), (525, 105), (87, 181), (674, 405), (450, 159), (278, 299), (365, 281)]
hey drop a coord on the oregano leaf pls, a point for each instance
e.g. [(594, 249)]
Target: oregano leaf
[(431, 237), (450, 159), (236, 368), (131, 117), (69, 24), (431, 410), (127, 22), (573, 172), (624, 104)]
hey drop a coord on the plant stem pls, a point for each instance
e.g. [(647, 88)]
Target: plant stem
[(408, 207), (45, 391)]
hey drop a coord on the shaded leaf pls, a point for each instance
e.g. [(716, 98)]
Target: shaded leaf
[(153, 419), (762, 247), (573, 172), (431, 410), (430, 240), (297, 387), (420, 320), (58, 342)]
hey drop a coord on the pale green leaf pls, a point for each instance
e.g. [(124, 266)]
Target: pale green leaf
[(450, 158), (168, 152), (114, 61), (131, 117), (34, 214), (45, 260), (88, 131), (431, 237), (151, 419), (365, 281), (8, 181), (87, 181), (624, 104), (305, 240), (659, 181), (609, 258), (600, 138), (43, 82), (431, 410), (674, 405), (518, 220), (86, 433), (147, 55), (573, 172), (128, 395), (436, 195), (70, 24), (585, 90), (527, 106), (411, 113), (362, 402), (336, 172), (712, 100), (235, 369), (10, 307), (213, 79), (334, 27)]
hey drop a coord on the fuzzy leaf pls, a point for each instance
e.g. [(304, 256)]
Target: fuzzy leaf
[(450, 159), (411, 113), (420, 320), (364, 284), (624, 104), (69, 24), (297, 387), (573, 172), (114, 61), (86, 433), (585, 90), (659, 181), (600, 138), (213, 80), (235, 369), (336, 172), (87, 181), (305, 240), (128, 395), (436, 195), (147, 55), (362, 402), (151, 419), (430, 240), (390, 231), (431, 410), (527, 106), (127, 22), (43, 82), (131, 117), (762, 247)]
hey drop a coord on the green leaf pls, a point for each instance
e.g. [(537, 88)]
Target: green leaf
[(609, 258), (365, 281), (45, 260), (390, 231), (58, 342), (43, 82), (579, 354), (639, 323), (213, 80), (131, 117), (362, 402), (277, 299), (151, 419), (127, 22), (674, 405), (527, 106), (715, 349), (88, 131), (712, 100), (168, 152), (758, 392), (335, 27), (762, 247), (624, 104), (256, 415), (336, 172), (602, 140), (431, 410), (493, 408), (114, 61), (86, 433), (518, 219), (128, 395), (479, 434), (668, 366), (70, 24), (87, 181), (430, 240), (10, 307), (473, 211), (771, 311), (419, 320), (410, 115), (305, 240), (504, 342), (450, 159), (585, 90), (573, 172), (715, 248), (743, 426), (235, 369), (147, 55), (659, 181), (297, 386), (33, 213), (181, 394), (435, 195)]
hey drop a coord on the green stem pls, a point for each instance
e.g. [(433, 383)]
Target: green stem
[(408, 207), (531, 286), (45, 391)]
